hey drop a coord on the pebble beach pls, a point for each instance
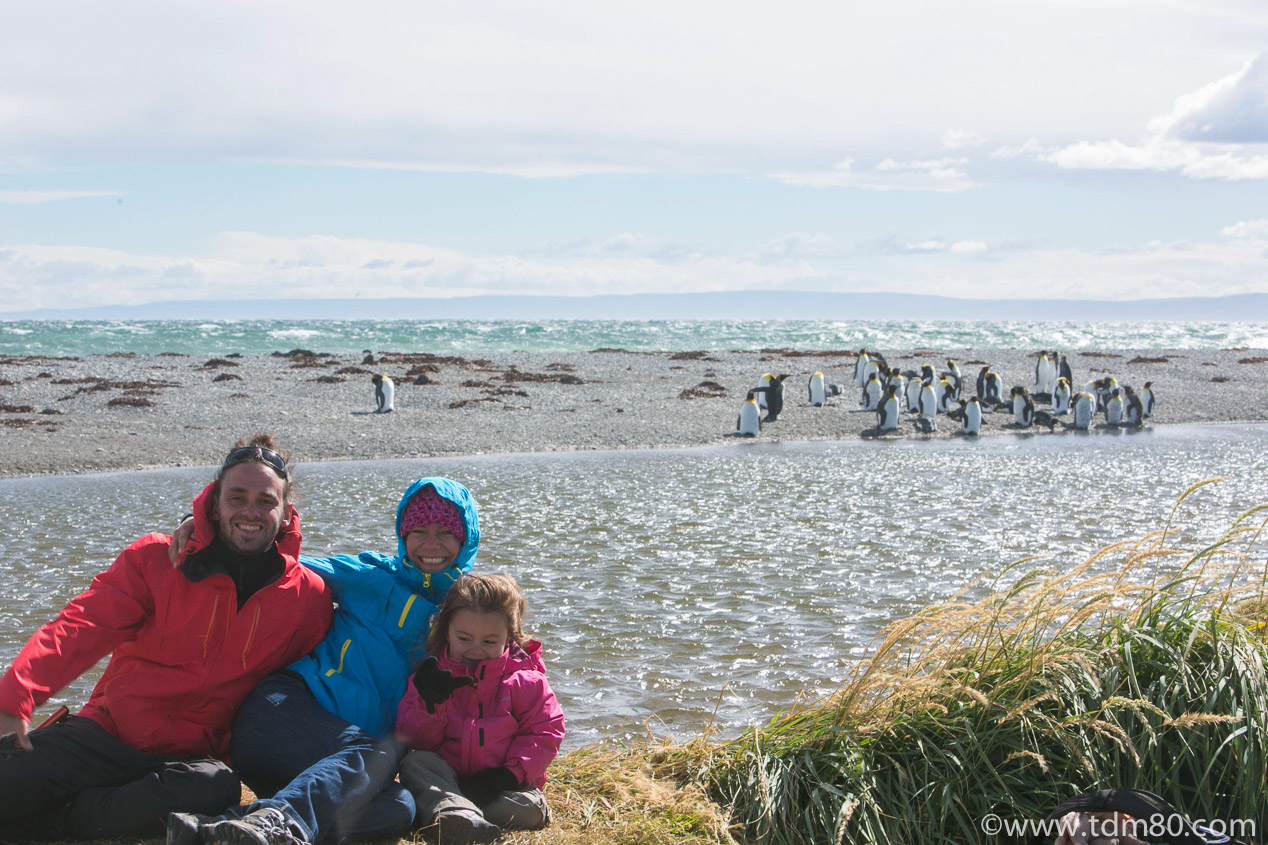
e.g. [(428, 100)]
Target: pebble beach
[(97, 413)]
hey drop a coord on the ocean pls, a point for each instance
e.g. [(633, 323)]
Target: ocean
[(476, 338)]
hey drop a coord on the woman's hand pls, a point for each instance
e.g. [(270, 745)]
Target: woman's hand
[(180, 537)]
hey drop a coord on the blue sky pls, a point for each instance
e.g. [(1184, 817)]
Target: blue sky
[(1099, 149)]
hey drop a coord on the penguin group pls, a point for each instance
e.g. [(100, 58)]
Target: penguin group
[(929, 392)]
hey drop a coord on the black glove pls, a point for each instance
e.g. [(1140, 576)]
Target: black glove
[(435, 685), (483, 788)]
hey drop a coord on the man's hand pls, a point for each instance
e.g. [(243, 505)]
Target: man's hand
[(16, 725), (435, 685), (180, 537)]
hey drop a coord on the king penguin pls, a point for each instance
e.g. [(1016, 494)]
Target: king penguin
[(871, 393), (384, 393), (912, 396), (774, 397), (1133, 410), (1084, 409), (1114, 408), (860, 367), (887, 410), (749, 422), (1061, 396), (1147, 400), (1023, 407), (763, 382), (818, 393), (971, 410), (928, 401)]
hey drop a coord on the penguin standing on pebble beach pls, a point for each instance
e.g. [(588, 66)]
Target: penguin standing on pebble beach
[(384, 394), (749, 422), (818, 393)]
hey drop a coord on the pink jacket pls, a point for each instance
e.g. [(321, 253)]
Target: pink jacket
[(509, 717)]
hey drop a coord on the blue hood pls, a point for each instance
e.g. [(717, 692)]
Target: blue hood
[(436, 584), (384, 613)]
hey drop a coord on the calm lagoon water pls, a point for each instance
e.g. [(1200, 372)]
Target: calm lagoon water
[(670, 584)]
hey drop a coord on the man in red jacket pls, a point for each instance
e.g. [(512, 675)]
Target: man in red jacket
[(187, 644)]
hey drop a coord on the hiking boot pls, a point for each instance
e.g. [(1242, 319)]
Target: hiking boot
[(464, 827), (186, 828), (265, 826)]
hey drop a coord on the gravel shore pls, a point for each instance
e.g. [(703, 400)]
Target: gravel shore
[(118, 412)]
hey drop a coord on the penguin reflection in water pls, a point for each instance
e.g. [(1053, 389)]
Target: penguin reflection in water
[(384, 394), (749, 422)]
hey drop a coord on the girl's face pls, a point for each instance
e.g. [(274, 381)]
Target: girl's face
[(475, 636), (432, 548)]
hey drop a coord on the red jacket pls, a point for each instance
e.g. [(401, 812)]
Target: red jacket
[(184, 657)]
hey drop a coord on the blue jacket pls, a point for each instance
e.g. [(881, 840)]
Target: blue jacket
[(385, 606)]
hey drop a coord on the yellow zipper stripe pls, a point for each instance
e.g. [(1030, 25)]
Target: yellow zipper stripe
[(342, 652), (408, 604)]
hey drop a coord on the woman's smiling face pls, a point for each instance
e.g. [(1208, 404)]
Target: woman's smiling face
[(432, 548)]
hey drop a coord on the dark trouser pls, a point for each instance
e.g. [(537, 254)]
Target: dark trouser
[(322, 772), (434, 786), (82, 783)]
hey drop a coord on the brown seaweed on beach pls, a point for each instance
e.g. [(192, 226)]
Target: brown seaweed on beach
[(219, 362), (1140, 359), (1260, 360), (228, 377), (17, 409), (514, 375), (1099, 355), (352, 371), (704, 390), (130, 402), (462, 403), (27, 422), (1221, 379), (329, 380)]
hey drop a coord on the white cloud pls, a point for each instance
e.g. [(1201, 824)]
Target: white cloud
[(1205, 136), (39, 197), (959, 139), (1247, 229), (1232, 110), (244, 265), (937, 175), (560, 88)]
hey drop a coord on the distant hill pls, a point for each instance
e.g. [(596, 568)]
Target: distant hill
[(728, 305)]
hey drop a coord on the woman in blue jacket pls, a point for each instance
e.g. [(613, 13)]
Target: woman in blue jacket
[(317, 737)]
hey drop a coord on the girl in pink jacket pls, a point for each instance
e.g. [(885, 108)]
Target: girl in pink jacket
[(481, 717)]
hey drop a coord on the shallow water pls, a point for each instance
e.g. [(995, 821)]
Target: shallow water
[(668, 584)]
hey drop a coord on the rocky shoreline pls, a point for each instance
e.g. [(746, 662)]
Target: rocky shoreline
[(122, 412)]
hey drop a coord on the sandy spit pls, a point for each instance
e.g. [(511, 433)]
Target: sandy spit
[(121, 412)]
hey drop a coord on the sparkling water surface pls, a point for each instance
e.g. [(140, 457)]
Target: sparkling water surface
[(670, 584), (482, 338)]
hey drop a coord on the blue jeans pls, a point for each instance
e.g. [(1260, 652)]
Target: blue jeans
[(329, 776)]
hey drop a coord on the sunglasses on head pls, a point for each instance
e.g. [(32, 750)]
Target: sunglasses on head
[(259, 454)]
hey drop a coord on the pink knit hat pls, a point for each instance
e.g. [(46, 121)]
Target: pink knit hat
[(430, 508)]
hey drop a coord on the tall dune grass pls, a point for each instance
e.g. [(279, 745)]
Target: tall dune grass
[(1141, 666)]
